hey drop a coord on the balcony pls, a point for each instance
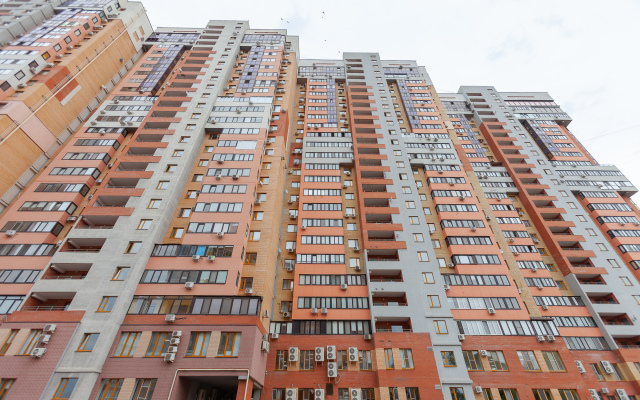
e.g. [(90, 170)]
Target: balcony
[(386, 324), (382, 255), (97, 222), (382, 276), (83, 245)]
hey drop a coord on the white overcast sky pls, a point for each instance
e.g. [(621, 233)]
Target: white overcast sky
[(585, 54)]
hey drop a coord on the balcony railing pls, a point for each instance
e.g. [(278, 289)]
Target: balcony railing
[(64, 277), (44, 308)]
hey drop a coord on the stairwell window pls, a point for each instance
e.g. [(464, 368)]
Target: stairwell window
[(198, 344), (65, 388), (106, 304)]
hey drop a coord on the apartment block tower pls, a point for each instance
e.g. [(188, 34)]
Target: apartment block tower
[(224, 220)]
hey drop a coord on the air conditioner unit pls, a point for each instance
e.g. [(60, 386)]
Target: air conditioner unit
[(478, 389), (353, 354), (512, 240), (484, 353), (348, 173), (622, 394), (515, 253), (98, 181), (540, 338), (265, 346), (534, 269), (170, 318), (195, 258), (219, 176), (545, 307), (235, 177), (49, 328), (354, 394), (211, 258), (356, 249), (38, 352), (460, 337), (174, 341), (293, 354), (594, 394), (451, 265), (50, 65), (292, 394), (580, 366), (59, 56), (344, 286), (606, 365), (473, 229), (189, 285), (461, 197), (44, 339), (176, 334), (540, 287), (446, 286), (488, 218), (170, 357), (10, 233), (319, 354), (22, 86), (324, 310), (604, 390), (110, 166), (491, 310), (314, 310), (303, 227), (292, 250), (274, 335), (286, 314), (220, 234)]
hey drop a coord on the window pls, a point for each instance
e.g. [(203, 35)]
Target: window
[(198, 344), (154, 203), (435, 243), (258, 215), (307, 360), (144, 389), (406, 358), (427, 277), (412, 393), (441, 326), (250, 258), (341, 360), (542, 394), (457, 393), (418, 237), (184, 213), (497, 361), (414, 220), (127, 344), (109, 389), (597, 371), (508, 394), (254, 236), (423, 256), (388, 358), (553, 360), (158, 344), (287, 284), (229, 344), (185, 139), (7, 343), (177, 233), (448, 359), (281, 360), (601, 246), (568, 394), (65, 387), (528, 361), (133, 247), (365, 360), (144, 224), (472, 360), (203, 163), (626, 281), (121, 274), (410, 204), (352, 227), (434, 301), (106, 304), (162, 185), (88, 341), (354, 262)]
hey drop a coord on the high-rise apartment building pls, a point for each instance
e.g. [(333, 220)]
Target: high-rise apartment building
[(225, 220)]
